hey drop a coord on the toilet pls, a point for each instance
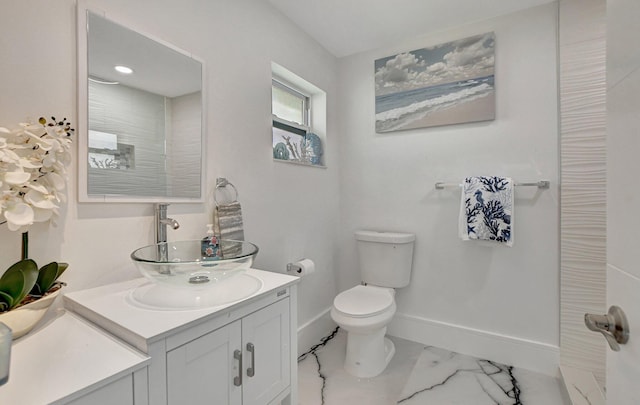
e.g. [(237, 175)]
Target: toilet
[(364, 311)]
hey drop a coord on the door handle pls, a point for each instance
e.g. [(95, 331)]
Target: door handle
[(237, 380), (251, 371), (613, 326)]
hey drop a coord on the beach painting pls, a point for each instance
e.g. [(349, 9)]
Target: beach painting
[(446, 84)]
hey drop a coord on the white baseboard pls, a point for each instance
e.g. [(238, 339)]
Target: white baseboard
[(312, 331), (527, 354)]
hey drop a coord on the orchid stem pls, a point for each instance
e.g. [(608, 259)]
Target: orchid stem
[(25, 245)]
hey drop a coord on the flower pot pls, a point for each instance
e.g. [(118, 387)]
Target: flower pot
[(24, 318)]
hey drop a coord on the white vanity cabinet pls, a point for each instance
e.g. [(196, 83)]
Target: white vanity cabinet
[(240, 353), (66, 360), (246, 362)]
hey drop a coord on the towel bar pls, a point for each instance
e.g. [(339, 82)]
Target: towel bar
[(541, 184)]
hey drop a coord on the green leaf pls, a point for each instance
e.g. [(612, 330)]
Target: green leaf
[(47, 276), (6, 301), (20, 266), (61, 268), (19, 279), (30, 271), (12, 284)]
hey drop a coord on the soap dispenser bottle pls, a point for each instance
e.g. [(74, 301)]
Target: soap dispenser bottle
[(210, 244)]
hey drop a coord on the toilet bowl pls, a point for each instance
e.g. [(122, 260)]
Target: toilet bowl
[(385, 260), (364, 312)]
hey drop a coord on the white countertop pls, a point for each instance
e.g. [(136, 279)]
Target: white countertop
[(111, 307), (65, 359)]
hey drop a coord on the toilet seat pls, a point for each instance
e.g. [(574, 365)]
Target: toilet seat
[(364, 301)]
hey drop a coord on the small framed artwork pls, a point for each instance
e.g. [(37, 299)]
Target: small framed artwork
[(450, 83)]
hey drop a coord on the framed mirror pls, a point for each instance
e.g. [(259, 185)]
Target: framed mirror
[(140, 124)]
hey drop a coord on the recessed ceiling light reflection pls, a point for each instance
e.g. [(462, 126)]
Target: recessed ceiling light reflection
[(125, 70)]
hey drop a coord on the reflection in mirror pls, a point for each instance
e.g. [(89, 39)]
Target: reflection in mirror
[(144, 117)]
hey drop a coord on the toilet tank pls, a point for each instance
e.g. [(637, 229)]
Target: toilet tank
[(385, 258)]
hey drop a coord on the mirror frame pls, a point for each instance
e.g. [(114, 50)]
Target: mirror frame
[(82, 129)]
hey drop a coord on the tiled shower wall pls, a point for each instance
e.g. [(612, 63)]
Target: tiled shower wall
[(583, 182)]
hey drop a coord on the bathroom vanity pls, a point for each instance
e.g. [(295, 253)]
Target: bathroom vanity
[(242, 352), (69, 361)]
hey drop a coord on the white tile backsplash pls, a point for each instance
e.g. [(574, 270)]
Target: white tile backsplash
[(583, 181)]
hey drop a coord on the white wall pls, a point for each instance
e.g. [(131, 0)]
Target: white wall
[(623, 197), (491, 302), (386, 181), (289, 211)]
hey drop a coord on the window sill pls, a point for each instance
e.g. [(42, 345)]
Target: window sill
[(293, 162)]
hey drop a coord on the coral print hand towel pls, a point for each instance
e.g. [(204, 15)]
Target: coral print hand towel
[(486, 209)]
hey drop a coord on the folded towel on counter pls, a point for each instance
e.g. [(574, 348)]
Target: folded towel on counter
[(486, 209)]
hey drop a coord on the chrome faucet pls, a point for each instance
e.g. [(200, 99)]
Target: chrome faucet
[(162, 221)]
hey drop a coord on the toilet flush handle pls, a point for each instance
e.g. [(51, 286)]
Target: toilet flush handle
[(613, 326)]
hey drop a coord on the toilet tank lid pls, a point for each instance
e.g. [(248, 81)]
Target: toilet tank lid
[(385, 237)]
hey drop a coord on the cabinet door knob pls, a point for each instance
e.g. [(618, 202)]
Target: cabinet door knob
[(237, 380), (251, 371)]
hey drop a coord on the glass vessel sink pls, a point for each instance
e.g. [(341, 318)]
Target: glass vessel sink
[(180, 264)]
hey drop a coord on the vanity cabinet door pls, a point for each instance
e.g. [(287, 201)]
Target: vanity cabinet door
[(266, 346), (246, 362), (203, 371)]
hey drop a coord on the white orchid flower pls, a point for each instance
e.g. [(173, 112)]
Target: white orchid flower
[(40, 200), (30, 163), (41, 214), (16, 178), (38, 187), (33, 161), (43, 143), (55, 180), (49, 160), (55, 145), (18, 215), (59, 166), (8, 156)]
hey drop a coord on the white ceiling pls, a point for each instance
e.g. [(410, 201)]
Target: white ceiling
[(345, 27)]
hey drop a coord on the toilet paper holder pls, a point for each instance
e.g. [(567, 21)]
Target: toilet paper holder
[(302, 267), (294, 268)]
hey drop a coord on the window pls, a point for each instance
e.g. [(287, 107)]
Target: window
[(294, 139), (289, 104), (105, 152)]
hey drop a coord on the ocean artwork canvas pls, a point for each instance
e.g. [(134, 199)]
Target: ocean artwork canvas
[(446, 84)]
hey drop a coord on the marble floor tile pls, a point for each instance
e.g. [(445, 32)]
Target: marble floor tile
[(340, 387), (420, 375), (444, 377)]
